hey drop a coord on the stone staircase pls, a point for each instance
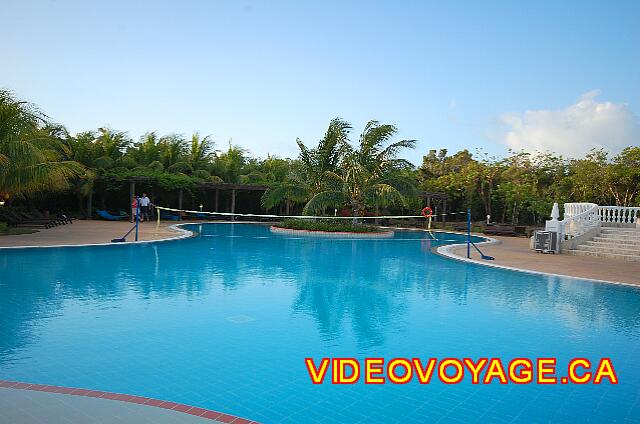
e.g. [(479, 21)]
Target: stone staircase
[(612, 243)]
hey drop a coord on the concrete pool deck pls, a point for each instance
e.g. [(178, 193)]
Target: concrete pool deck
[(90, 232), (23, 403), (514, 252)]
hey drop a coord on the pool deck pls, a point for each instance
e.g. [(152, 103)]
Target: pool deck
[(514, 252), (91, 232), (23, 403)]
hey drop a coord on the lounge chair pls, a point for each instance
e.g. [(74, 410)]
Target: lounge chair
[(501, 229), (106, 215), (16, 220), (60, 219)]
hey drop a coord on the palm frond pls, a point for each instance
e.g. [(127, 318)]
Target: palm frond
[(385, 195), (323, 200)]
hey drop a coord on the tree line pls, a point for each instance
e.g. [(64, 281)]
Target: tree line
[(366, 176)]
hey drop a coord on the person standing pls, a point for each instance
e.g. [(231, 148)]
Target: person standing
[(134, 207), (145, 202)]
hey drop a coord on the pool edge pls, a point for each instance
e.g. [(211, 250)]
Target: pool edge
[(210, 414)]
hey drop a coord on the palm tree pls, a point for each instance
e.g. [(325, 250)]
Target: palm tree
[(172, 149), (311, 173), (147, 150), (369, 175), (81, 149), (111, 145), (30, 159), (229, 165), (200, 151)]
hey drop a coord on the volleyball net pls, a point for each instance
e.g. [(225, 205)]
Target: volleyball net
[(427, 217), (203, 214)]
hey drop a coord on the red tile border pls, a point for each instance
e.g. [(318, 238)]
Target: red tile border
[(196, 411), (141, 400), (153, 402), (228, 419)]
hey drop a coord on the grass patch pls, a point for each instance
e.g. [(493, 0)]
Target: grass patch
[(328, 225)]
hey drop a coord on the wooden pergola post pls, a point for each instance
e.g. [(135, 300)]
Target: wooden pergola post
[(444, 213), (180, 201), (229, 202), (132, 191), (233, 203), (90, 204)]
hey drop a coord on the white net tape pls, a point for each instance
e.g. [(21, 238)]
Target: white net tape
[(253, 215)]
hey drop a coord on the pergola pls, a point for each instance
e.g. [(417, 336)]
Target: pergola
[(205, 186), (226, 186)]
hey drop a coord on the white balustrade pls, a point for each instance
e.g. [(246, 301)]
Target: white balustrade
[(579, 218), (619, 215)]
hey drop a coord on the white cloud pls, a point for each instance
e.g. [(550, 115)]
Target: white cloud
[(575, 130)]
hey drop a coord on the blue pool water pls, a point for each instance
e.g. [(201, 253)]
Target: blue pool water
[(225, 319)]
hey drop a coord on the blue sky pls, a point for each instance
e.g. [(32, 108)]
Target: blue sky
[(543, 75)]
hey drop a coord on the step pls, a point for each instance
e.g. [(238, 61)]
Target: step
[(619, 237), (608, 243), (621, 231), (627, 258), (617, 250)]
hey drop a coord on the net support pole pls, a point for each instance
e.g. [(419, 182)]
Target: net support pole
[(157, 218), (469, 233)]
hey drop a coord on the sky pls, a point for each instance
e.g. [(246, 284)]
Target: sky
[(552, 76)]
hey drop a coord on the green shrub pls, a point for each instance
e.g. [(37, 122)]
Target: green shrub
[(329, 225), (104, 162), (126, 162), (180, 167), (156, 166), (202, 174), (3, 227)]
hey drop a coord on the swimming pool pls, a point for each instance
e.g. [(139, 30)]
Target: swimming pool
[(225, 319)]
